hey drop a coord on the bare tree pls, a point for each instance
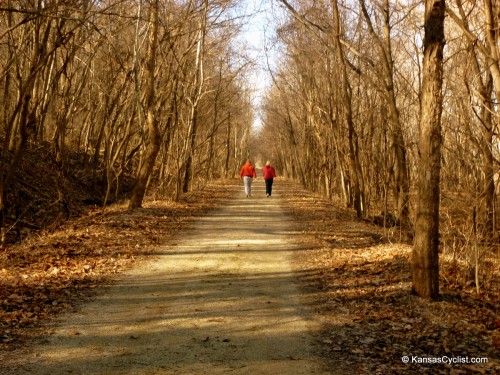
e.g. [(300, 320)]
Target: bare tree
[(386, 63), (356, 173), (425, 263), (154, 137), (195, 97), (22, 121), (486, 46)]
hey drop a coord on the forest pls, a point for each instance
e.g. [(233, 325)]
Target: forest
[(119, 93), (358, 113), (388, 108)]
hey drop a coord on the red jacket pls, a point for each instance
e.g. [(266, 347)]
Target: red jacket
[(268, 172), (248, 170)]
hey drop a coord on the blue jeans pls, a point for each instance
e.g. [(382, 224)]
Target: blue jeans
[(247, 181)]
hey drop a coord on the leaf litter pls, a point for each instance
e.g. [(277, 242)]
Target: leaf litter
[(354, 278), (51, 272), (359, 281)]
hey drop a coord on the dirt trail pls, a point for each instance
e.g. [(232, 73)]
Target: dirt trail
[(222, 300)]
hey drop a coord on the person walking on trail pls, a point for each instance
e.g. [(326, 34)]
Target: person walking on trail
[(269, 174), (247, 174)]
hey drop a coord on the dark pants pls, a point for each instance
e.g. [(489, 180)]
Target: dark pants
[(269, 186)]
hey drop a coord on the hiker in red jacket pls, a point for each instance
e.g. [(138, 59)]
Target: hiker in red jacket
[(269, 174), (247, 174)]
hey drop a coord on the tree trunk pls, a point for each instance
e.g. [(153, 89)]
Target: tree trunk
[(401, 177), (485, 89), (154, 136), (425, 263), (228, 147), (487, 129), (25, 117), (355, 167), (195, 99), (488, 170), (188, 172)]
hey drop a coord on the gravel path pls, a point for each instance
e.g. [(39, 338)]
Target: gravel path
[(222, 300)]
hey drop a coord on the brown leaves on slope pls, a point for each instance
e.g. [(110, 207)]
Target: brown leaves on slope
[(360, 283), (48, 273)]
